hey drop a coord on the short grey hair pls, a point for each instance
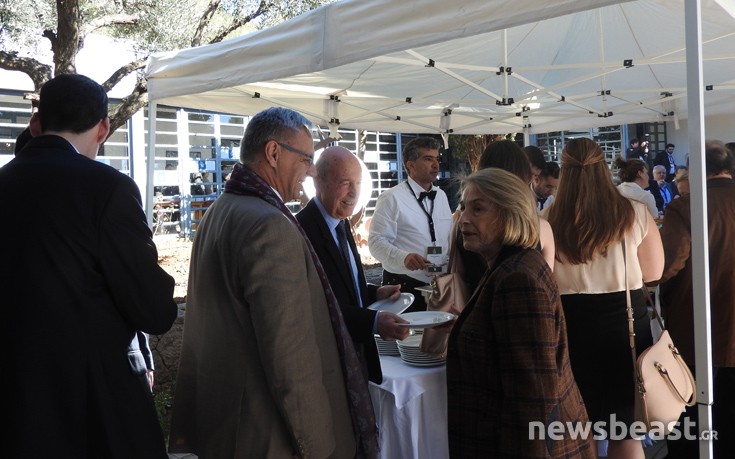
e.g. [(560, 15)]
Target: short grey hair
[(275, 123), (659, 168), (411, 149)]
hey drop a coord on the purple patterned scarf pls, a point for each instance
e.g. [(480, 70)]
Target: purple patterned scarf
[(244, 181)]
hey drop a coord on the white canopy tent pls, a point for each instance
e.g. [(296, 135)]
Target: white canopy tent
[(482, 66), (465, 67)]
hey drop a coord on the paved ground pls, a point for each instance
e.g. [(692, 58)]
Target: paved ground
[(657, 451)]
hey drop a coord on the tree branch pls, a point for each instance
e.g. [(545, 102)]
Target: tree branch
[(262, 8), (129, 105), (113, 19), (51, 35), (36, 70), (196, 40), (124, 71)]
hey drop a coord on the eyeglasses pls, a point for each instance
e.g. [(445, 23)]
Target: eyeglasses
[(297, 151)]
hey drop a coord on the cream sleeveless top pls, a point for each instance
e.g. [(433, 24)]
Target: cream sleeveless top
[(606, 274)]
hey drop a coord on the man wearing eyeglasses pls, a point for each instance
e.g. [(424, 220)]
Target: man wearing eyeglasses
[(267, 368), (409, 232)]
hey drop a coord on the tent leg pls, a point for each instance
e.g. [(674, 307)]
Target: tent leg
[(700, 258), (151, 162)]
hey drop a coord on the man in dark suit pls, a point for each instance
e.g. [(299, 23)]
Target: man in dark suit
[(665, 158), (337, 190), (662, 193), (80, 275)]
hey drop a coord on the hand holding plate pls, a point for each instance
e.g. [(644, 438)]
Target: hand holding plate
[(389, 328)]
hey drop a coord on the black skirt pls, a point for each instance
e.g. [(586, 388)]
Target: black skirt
[(599, 351)]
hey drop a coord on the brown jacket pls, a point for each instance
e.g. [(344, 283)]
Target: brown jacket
[(260, 375), (508, 367), (676, 289)]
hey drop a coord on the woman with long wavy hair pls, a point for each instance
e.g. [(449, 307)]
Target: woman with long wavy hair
[(591, 222)]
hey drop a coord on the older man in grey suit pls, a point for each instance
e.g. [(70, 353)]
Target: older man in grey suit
[(267, 369)]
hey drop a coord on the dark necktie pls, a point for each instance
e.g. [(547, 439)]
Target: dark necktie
[(344, 247), (427, 194)]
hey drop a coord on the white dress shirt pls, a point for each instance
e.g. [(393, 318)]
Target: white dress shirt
[(399, 226)]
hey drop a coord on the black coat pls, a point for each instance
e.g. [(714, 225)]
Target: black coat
[(359, 320), (79, 276), (662, 159), (655, 190)]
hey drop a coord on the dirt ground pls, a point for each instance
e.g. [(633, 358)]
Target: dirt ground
[(173, 256), (174, 253)]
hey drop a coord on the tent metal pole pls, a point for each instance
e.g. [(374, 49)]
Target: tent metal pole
[(151, 162), (601, 50), (700, 243), (504, 44)]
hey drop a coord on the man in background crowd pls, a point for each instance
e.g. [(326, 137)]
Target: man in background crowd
[(677, 299), (544, 185), (409, 232), (81, 276), (659, 189), (666, 159), (635, 151), (537, 159)]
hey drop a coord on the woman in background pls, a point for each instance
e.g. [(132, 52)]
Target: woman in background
[(507, 360), (633, 174), (591, 222), (506, 155)]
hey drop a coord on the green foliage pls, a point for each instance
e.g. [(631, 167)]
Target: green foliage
[(163, 401), (22, 23)]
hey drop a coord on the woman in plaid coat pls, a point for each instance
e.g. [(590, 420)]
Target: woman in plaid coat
[(509, 382)]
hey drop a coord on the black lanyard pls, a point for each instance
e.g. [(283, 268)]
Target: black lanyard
[(428, 214)]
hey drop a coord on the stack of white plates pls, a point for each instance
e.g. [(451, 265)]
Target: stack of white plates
[(410, 353), (386, 347)]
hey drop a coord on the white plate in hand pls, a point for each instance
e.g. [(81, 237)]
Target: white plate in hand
[(426, 319), (394, 306)]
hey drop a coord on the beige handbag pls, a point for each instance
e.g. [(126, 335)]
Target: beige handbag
[(447, 290), (664, 384)]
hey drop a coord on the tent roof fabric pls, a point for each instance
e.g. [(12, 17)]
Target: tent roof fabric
[(466, 67)]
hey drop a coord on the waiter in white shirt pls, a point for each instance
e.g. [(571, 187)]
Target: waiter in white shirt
[(409, 232)]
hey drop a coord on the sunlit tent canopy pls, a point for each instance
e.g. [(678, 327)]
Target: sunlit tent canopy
[(465, 67), (480, 67)]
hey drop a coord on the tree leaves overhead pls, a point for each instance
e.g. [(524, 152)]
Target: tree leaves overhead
[(37, 40)]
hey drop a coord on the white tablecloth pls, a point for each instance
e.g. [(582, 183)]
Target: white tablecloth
[(411, 410)]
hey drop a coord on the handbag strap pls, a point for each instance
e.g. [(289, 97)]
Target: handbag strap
[(652, 304), (631, 328), (452, 266)]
